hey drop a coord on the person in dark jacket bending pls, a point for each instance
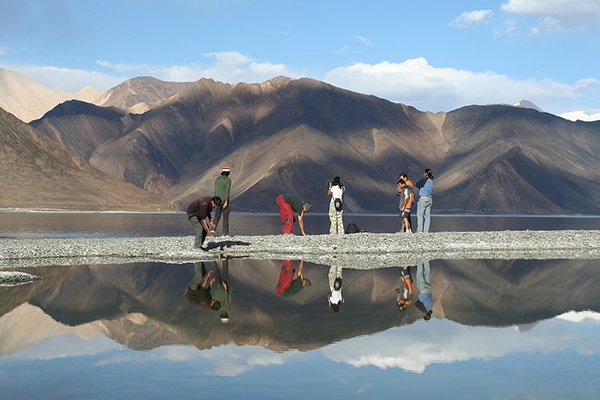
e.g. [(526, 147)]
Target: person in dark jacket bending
[(199, 214)]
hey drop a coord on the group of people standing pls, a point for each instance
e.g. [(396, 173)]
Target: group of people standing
[(406, 191), (289, 205)]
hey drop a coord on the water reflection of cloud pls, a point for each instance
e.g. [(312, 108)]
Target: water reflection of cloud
[(580, 316), (67, 345), (417, 346), (228, 360)]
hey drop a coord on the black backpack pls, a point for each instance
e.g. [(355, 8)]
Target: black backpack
[(337, 203), (353, 228)]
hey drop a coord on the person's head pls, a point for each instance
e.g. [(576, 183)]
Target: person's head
[(336, 181), (216, 201), (224, 318), (427, 173), (403, 176), (401, 183), (307, 207), (225, 171)]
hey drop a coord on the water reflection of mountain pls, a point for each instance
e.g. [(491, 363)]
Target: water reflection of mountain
[(143, 306)]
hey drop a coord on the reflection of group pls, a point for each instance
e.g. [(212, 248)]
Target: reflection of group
[(289, 205), (404, 294), (210, 289)]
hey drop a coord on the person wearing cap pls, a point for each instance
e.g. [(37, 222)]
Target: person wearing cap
[(288, 204), (199, 214), (222, 190)]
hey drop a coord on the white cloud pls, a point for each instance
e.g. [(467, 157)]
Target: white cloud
[(417, 83), (228, 66), (3, 50), (557, 15), (364, 41), (471, 19)]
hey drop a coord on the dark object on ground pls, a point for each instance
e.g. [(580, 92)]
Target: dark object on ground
[(353, 228)]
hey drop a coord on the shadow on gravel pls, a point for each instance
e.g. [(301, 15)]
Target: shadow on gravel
[(225, 243)]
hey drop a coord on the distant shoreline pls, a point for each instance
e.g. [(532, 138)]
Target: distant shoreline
[(271, 213)]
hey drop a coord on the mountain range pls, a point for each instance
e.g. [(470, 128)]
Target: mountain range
[(294, 135)]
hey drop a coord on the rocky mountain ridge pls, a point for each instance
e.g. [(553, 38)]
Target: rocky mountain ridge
[(289, 135)]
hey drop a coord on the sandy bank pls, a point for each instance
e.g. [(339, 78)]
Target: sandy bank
[(364, 250)]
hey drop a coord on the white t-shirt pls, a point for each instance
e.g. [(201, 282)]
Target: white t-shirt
[(336, 193), (336, 296)]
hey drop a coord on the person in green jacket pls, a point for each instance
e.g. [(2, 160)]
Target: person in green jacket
[(222, 190)]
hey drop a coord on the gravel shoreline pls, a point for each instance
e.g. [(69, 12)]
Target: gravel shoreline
[(362, 250)]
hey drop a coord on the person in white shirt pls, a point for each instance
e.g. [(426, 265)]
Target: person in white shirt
[(336, 206), (334, 297)]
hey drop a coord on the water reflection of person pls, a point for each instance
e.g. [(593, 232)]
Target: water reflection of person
[(198, 291), (425, 302), (221, 288), (287, 286), (334, 297), (404, 294)]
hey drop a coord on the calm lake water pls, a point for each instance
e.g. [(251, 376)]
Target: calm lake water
[(498, 329), (176, 224)]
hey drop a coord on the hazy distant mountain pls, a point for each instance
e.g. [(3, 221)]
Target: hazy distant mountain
[(28, 99), (138, 95), (294, 135), (39, 173)]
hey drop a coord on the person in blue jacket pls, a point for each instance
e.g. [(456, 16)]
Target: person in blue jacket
[(426, 189)]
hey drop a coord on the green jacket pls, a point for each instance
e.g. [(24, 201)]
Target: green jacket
[(223, 187)]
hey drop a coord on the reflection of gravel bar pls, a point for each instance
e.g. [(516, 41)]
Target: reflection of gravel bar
[(14, 278), (363, 250)]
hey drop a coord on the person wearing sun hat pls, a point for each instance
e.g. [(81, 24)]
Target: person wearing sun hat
[(222, 190)]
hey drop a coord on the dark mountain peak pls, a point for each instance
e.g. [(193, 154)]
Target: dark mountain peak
[(76, 107)]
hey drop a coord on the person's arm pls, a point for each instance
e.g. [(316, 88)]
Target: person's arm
[(301, 267), (205, 225), (206, 278), (329, 192), (228, 191), (301, 224), (421, 183)]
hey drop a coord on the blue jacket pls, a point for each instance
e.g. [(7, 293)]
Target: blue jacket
[(425, 186)]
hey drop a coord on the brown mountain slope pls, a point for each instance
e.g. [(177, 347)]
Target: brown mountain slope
[(511, 159), (83, 127), (40, 173)]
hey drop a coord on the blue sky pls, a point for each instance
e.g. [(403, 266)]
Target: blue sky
[(434, 55)]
